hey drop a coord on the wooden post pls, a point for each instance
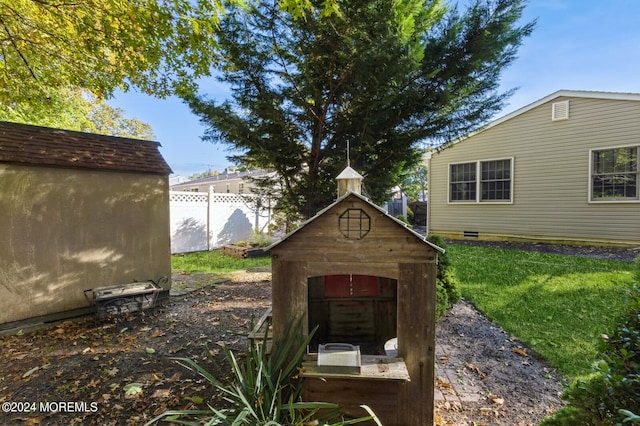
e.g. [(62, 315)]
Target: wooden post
[(289, 296), (416, 342)]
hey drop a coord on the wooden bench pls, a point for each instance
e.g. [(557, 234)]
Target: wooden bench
[(261, 328)]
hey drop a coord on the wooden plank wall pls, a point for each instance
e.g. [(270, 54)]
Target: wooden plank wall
[(381, 395), (416, 342)]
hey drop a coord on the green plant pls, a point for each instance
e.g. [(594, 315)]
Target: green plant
[(448, 287), (260, 239), (266, 389), (410, 216), (404, 220)]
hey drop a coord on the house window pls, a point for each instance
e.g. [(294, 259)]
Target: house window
[(240, 188), (462, 182), (495, 180), (493, 183), (615, 174)]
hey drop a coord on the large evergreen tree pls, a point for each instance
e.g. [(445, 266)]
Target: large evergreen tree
[(380, 76)]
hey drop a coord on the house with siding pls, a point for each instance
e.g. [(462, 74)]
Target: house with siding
[(235, 182), (563, 169), (79, 211)]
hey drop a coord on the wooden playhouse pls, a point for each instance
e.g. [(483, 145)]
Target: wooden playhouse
[(365, 279)]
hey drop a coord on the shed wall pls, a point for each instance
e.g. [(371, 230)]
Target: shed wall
[(64, 231), (551, 177)]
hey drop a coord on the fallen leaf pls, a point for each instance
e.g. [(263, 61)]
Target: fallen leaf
[(132, 389), (157, 333), (476, 370), (194, 399), (495, 399), (441, 383), (150, 350), (519, 351), (161, 393), (30, 372)]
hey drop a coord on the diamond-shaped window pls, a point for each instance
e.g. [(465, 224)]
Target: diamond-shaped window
[(354, 224)]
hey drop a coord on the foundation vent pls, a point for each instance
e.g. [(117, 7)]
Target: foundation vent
[(471, 234), (560, 111)]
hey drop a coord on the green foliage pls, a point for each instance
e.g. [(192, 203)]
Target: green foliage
[(414, 182), (73, 109), (404, 220), (381, 76), (410, 216), (447, 285), (612, 394), (97, 45), (265, 390), (559, 305), (260, 239)]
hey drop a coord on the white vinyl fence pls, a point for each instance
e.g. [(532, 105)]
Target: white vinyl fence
[(206, 221)]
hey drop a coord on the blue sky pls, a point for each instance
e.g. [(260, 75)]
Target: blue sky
[(577, 45)]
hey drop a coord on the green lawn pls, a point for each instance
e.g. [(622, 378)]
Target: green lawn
[(559, 305), (214, 262)]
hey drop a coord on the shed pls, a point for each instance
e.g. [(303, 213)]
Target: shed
[(79, 211), (364, 278)]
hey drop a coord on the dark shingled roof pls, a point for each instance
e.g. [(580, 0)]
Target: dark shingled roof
[(23, 144)]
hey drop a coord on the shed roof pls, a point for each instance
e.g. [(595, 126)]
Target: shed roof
[(365, 199), (25, 144)]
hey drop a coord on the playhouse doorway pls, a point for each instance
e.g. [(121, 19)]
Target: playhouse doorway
[(355, 309)]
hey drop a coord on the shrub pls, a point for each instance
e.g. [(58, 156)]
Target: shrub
[(404, 220), (447, 285), (260, 239), (612, 395), (410, 215)]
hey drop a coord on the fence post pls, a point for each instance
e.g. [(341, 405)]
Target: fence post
[(209, 198)]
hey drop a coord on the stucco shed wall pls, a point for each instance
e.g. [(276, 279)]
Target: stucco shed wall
[(67, 230)]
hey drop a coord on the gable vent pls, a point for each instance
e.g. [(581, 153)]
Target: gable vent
[(560, 111)]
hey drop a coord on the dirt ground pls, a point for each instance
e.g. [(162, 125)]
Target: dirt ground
[(124, 373)]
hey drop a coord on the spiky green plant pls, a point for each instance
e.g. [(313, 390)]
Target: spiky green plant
[(266, 390)]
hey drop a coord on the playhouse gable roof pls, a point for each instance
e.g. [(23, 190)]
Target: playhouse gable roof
[(344, 199), (24, 144)]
